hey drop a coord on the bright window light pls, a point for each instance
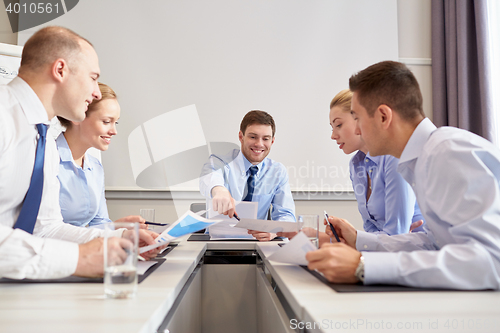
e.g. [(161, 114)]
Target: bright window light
[(494, 29)]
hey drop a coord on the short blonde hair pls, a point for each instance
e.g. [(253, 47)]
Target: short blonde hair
[(342, 100)]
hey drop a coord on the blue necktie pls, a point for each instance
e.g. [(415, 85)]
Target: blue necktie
[(251, 183), (31, 205)]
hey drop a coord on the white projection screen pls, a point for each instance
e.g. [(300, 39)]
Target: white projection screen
[(186, 72)]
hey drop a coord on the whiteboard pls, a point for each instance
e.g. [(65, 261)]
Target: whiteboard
[(223, 58), (10, 60)]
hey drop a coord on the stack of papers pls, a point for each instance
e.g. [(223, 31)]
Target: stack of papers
[(226, 230), (267, 225), (294, 252)]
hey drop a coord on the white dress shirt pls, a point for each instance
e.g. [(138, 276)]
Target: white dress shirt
[(455, 175), (81, 195), (52, 250)]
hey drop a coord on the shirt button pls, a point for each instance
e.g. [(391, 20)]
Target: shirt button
[(371, 170), (366, 160), (365, 246)]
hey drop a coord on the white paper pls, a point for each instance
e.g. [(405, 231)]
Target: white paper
[(294, 252), (244, 209), (267, 225), (143, 266), (186, 224), (226, 230)]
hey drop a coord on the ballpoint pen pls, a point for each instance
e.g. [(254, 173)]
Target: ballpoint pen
[(153, 223), (236, 216), (331, 227)]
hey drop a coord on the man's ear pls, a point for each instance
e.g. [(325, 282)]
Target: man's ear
[(273, 140), (240, 136), (386, 115), (59, 69)]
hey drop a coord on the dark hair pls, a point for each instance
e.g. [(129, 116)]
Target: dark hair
[(257, 117), (107, 93), (390, 83), (49, 44)]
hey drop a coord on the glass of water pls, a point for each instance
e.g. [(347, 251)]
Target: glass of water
[(309, 224), (120, 261)]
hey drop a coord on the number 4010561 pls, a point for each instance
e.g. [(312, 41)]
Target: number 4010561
[(32, 8)]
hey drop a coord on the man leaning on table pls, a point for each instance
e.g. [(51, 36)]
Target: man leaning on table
[(249, 175), (58, 77), (455, 175)]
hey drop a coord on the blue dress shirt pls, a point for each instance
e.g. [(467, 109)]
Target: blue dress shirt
[(456, 178), (271, 183), (392, 205), (81, 196)]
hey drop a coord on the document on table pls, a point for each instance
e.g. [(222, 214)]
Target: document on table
[(225, 230), (143, 266), (247, 209), (186, 224), (267, 225), (294, 252)]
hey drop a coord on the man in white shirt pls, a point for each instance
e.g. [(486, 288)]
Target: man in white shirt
[(247, 174), (455, 175), (58, 77)]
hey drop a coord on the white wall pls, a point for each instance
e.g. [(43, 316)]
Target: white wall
[(414, 28), (6, 35)]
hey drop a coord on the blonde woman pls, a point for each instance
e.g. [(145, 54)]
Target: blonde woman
[(81, 175), (385, 200)]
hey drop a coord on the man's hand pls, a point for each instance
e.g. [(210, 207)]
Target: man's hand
[(146, 237), (134, 218), (222, 201), (337, 262), (288, 235), (346, 232), (262, 236), (416, 224), (91, 255)]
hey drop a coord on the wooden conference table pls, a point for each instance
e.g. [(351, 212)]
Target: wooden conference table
[(231, 287)]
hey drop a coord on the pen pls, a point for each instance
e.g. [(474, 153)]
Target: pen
[(236, 216), (153, 223), (331, 227)]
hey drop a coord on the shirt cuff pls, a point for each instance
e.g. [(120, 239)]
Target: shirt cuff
[(60, 258), (366, 241), (212, 187), (381, 267)]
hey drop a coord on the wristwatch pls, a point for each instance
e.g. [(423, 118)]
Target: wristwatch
[(360, 271)]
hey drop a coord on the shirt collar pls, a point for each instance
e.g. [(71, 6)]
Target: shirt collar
[(30, 103), (417, 140), (360, 156), (245, 164), (65, 152)]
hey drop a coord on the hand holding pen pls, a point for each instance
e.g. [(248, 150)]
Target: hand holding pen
[(342, 230), (331, 227)]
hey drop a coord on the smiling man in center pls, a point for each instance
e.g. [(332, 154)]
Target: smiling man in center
[(247, 174)]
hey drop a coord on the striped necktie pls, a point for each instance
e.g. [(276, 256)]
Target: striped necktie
[(31, 205), (251, 183)]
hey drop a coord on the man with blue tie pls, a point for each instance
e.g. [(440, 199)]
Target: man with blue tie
[(247, 174), (58, 77)]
